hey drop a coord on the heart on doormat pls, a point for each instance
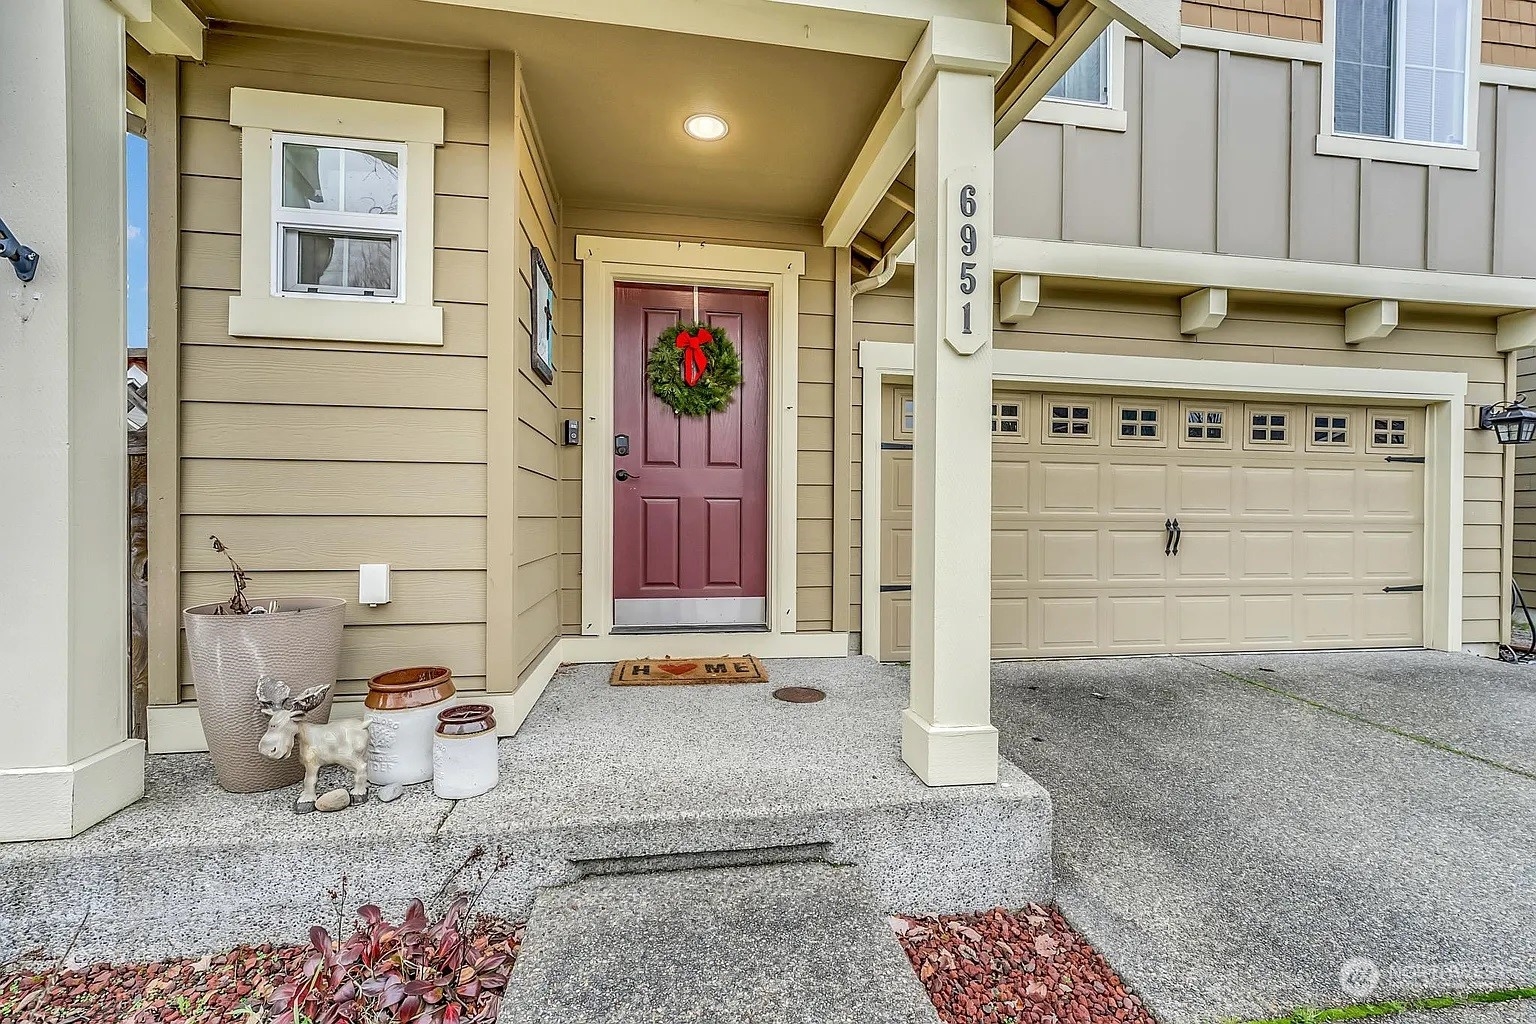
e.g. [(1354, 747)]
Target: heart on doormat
[(678, 668)]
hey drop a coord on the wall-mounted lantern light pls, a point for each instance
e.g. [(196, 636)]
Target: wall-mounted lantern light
[(1511, 422)]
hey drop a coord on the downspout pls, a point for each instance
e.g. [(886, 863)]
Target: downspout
[(883, 272)]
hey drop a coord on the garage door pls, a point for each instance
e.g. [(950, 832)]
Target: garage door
[(1141, 525)]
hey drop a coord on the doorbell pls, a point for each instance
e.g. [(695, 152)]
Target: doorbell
[(572, 432)]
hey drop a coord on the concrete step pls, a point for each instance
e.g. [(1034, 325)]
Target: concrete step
[(792, 943)]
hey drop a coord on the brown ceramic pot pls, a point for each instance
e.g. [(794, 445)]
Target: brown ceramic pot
[(466, 720), (404, 688)]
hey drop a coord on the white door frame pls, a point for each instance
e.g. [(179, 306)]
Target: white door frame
[(1443, 396), (607, 262)]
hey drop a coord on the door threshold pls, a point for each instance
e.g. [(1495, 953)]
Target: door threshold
[(706, 627)]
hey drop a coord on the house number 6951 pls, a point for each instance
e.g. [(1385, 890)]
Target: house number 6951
[(965, 263)]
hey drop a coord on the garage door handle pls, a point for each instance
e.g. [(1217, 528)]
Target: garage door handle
[(1178, 535), (1168, 540)]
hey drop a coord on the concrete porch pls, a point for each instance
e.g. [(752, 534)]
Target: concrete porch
[(600, 779)]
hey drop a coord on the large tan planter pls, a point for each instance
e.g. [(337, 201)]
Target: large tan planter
[(299, 644)]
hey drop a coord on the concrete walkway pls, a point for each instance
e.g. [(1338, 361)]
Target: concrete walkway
[(1230, 831), (781, 944)]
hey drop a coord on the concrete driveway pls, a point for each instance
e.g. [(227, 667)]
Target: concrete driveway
[(1232, 831)]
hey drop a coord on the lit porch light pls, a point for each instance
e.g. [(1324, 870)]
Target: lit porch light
[(706, 127)]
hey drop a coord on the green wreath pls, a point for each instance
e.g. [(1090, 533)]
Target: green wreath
[(714, 389)]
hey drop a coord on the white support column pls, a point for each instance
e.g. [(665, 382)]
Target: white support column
[(64, 761), (947, 735)]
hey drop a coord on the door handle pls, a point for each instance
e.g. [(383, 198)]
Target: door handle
[(623, 475), (1178, 535), (1168, 539)]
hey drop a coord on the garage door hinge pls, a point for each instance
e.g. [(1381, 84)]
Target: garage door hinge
[(1416, 459), (1417, 588)]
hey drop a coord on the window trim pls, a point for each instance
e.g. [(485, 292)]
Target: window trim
[(1154, 405), (1019, 401), (1189, 405), (1095, 415), (260, 309), (1109, 117), (1252, 409), (1404, 151)]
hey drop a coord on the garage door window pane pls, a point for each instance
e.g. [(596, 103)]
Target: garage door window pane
[(1389, 432), (1007, 418), (1205, 425), (1269, 427), (1330, 429), (1139, 424), (1071, 421)]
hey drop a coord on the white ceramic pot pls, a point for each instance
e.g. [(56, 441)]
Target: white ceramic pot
[(400, 745), (402, 710), (464, 761)]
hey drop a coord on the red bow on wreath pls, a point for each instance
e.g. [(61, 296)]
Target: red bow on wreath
[(695, 362)]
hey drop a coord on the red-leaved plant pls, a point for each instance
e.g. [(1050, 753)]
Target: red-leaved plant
[(414, 972)]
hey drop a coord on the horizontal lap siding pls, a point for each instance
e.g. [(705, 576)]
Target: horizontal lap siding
[(1525, 492), (536, 443), (1122, 324), (813, 500), (309, 458)]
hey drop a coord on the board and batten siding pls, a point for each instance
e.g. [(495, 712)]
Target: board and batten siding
[(1219, 156), (1125, 323), (309, 458), (814, 405)]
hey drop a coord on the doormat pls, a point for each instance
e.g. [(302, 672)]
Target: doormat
[(688, 672)]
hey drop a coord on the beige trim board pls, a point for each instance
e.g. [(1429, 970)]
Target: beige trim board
[(887, 29), (1517, 78), (176, 728), (608, 261), (294, 316), (342, 116), (61, 802), (1014, 255), (1444, 395), (171, 28), (1253, 45)]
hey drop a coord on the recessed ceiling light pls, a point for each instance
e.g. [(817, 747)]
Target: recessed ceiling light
[(706, 127)]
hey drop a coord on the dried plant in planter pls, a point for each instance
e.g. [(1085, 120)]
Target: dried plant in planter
[(418, 970), (237, 605)]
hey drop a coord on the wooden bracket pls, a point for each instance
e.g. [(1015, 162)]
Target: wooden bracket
[(1018, 297), (902, 196), (1517, 330), (1033, 18), (1202, 311), (1370, 321)]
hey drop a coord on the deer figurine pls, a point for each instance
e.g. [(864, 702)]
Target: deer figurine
[(344, 742)]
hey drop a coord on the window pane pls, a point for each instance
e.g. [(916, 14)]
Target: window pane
[(1434, 71), (1087, 80), (340, 180), (1362, 92), (318, 261)]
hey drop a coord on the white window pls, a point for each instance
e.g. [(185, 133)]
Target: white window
[(1399, 73), (338, 217), (1087, 80), (336, 237), (1091, 94)]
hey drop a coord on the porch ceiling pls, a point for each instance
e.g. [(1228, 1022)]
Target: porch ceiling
[(610, 102)]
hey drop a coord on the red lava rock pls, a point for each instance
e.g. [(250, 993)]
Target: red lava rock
[(1007, 967), (191, 990)]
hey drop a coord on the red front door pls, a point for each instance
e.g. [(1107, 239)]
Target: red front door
[(690, 524)]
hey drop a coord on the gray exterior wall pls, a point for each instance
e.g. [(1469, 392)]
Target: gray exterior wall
[(1219, 156)]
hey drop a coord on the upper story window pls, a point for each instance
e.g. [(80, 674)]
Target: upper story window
[(1091, 94), (337, 216), (1087, 80), (1401, 80), (339, 222)]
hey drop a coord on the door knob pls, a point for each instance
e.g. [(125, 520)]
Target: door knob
[(623, 475)]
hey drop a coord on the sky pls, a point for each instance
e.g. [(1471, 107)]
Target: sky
[(137, 180)]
